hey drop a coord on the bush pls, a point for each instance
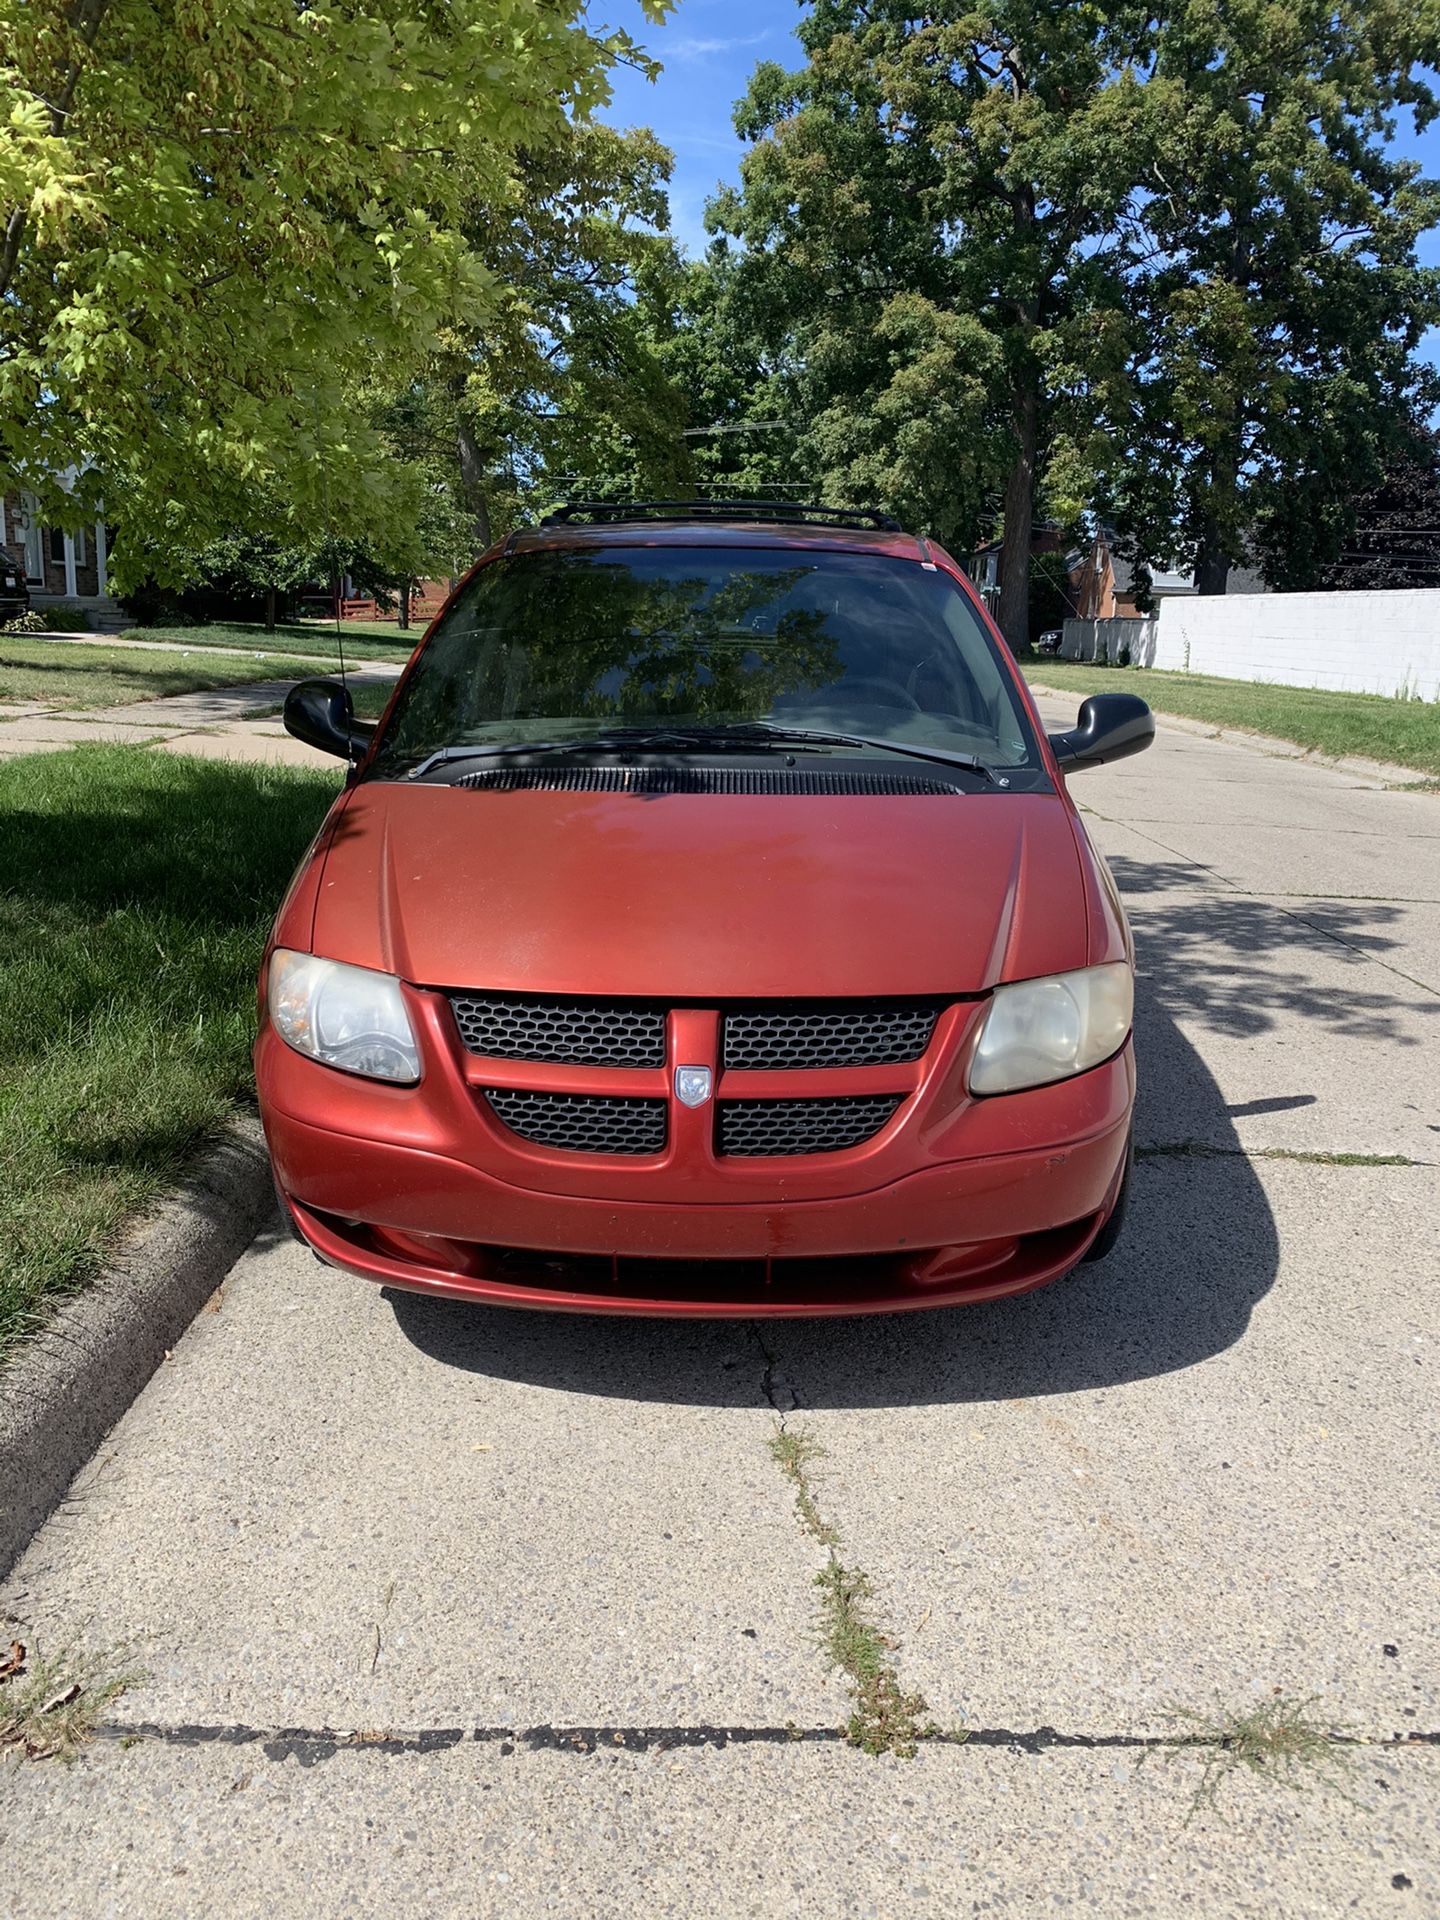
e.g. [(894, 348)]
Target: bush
[(49, 620)]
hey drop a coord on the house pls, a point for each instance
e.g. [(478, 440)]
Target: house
[(1101, 583), (1105, 589), (983, 565), (61, 568)]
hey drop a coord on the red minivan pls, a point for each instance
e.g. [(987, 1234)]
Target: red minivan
[(704, 929)]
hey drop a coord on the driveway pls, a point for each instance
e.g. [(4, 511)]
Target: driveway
[(552, 1569)]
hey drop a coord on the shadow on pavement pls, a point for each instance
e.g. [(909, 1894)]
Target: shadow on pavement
[(1198, 1251), (1242, 966)]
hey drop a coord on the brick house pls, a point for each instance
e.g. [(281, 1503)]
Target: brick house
[(1105, 587), (60, 568)]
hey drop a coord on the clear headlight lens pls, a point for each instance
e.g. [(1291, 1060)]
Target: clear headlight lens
[(349, 1017), (1042, 1030)]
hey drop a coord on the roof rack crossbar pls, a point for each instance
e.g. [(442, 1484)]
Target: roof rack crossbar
[(760, 510)]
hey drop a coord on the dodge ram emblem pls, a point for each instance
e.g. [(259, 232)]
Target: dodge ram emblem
[(692, 1086)]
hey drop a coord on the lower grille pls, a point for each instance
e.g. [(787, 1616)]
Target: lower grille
[(801, 1126), (582, 1122)]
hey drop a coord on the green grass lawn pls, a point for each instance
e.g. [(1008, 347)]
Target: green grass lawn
[(84, 676), (363, 639), (370, 702), (1404, 731), (136, 889)]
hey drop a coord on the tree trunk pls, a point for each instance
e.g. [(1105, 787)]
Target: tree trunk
[(1014, 613), (472, 484), (269, 609), (1212, 562), (404, 616)]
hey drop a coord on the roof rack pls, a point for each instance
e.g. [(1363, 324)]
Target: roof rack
[(762, 510)]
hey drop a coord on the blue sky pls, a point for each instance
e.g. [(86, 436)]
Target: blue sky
[(710, 47)]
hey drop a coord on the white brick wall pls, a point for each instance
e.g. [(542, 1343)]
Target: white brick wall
[(1353, 642)]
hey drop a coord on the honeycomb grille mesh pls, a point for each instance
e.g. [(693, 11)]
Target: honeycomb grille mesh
[(758, 1039), (801, 1126), (582, 1122), (567, 1034)]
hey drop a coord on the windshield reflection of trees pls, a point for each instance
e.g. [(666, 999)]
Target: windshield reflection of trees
[(599, 642)]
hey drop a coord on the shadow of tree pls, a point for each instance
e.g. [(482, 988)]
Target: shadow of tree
[(1240, 965)]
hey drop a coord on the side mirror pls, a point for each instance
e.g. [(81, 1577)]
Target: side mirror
[(1110, 726), (320, 713)]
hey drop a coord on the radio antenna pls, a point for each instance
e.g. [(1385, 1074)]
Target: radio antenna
[(330, 536)]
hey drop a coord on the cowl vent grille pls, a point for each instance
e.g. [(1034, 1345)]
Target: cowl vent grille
[(722, 780)]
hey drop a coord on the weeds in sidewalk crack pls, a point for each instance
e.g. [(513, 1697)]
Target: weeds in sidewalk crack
[(884, 1719), (793, 1452), (50, 1705), (1281, 1742), (1199, 1150)]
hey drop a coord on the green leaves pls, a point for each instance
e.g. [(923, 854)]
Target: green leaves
[(1159, 266), (222, 218)]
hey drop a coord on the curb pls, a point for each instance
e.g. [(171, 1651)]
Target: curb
[(71, 1381), (1382, 772)]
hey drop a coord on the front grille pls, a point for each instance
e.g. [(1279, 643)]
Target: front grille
[(569, 1034), (801, 1126), (761, 1039), (582, 1122)]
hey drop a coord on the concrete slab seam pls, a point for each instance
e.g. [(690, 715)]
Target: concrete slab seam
[(310, 1745)]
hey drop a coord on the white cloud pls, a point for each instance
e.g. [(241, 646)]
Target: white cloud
[(695, 49)]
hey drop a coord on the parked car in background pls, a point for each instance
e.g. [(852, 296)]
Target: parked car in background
[(705, 928), (14, 593), (1049, 641)]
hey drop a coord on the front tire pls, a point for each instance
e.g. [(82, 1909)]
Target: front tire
[(1104, 1241)]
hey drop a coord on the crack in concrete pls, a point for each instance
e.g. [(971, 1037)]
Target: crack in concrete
[(773, 1383)]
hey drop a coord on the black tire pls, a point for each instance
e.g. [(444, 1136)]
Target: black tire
[(1109, 1234)]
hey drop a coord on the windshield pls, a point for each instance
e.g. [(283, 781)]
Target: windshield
[(562, 644)]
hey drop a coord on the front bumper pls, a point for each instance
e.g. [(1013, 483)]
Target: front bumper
[(392, 1184)]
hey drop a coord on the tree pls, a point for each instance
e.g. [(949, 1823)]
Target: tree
[(563, 388), (216, 224), (933, 215), (1277, 308), (1390, 535)]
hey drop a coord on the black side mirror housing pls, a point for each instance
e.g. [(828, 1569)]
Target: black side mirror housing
[(1110, 726), (320, 713)]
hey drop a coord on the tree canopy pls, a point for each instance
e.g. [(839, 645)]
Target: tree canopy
[(221, 218), (1152, 262), (1277, 304)]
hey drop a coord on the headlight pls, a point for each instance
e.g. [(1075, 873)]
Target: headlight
[(1037, 1031), (349, 1017)]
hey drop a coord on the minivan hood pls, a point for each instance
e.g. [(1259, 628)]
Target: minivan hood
[(701, 897)]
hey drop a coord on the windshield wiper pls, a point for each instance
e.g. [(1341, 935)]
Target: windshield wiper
[(820, 737), (738, 733)]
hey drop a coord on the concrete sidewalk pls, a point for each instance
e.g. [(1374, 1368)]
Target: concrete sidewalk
[(553, 1561), (226, 723)]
